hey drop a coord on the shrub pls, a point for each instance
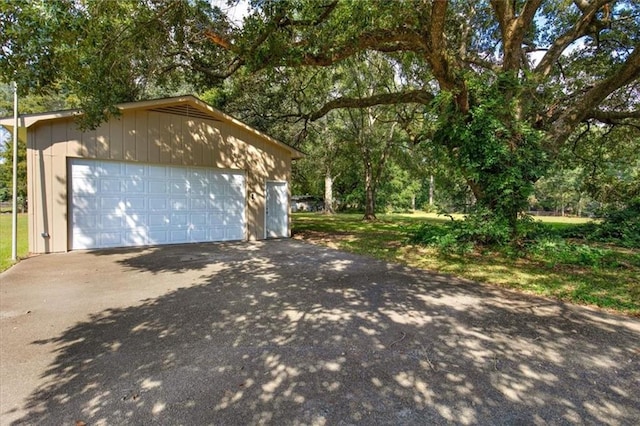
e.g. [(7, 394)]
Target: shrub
[(480, 229), (619, 226), (556, 251)]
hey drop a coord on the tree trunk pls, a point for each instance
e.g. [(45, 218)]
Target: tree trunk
[(370, 193), (431, 190), (328, 193)]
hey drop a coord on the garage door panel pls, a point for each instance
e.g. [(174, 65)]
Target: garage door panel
[(85, 240), (82, 170), (178, 236), (157, 237), (198, 204), (198, 235), (110, 221), (198, 219), (135, 204), (84, 203), (137, 236), (156, 171), (123, 204), (178, 187), (111, 239), (109, 203), (135, 170), (136, 186), (86, 221), (158, 220), (157, 187), (158, 204), (217, 233), (179, 204), (178, 220), (84, 185), (233, 233)]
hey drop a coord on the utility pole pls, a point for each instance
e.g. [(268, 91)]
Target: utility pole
[(14, 209)]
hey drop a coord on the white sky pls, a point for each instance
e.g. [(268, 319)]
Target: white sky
[(236, 11)]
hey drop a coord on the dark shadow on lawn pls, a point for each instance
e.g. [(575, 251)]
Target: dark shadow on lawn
[(288, 333)]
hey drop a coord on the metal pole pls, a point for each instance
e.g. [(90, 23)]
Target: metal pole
[(14, 210)]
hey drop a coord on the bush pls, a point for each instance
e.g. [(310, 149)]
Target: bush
[(556, 251), (619, 226), (480, 229)]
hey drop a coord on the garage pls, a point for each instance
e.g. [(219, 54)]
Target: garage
[(118, 204), (162, 171)]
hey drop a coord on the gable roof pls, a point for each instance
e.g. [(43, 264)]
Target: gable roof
[(188, 105)]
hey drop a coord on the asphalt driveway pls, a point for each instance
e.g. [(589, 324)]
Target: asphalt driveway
[(284, 332)]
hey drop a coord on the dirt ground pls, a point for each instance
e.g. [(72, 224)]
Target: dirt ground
[(285, 332)]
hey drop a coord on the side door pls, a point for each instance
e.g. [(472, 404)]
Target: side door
[(277, 210)]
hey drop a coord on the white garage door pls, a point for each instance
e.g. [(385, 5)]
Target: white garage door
[(116, 204)]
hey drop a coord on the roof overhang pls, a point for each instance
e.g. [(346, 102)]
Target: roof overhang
[(188, 105)]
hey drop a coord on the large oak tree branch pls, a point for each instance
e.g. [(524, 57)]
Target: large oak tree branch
[(585, 104), (612, 117), (513, 28), (400, 39), (414, 96), (580, 29), (436, 55), (381, 40)]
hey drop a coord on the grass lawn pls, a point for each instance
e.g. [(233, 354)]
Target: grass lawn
[(614, 285), (5, 239)]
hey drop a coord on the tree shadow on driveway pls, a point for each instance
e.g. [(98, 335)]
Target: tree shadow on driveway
[(284, 332)]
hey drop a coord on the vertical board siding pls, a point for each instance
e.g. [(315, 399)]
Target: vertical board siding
[(90, 143), (177, 148), (129, 132), (153, 142), (165, 139), (141, 136), (57, 194), (75, 147), (146, 137), (102, 141), (31, 188), (115, 139)]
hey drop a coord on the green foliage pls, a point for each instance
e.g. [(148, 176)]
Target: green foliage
[(6, 170), (605, 162), (479, 229), (106, 52), (397, 189), (556, 251), (499, 154), (560, 190), (482, 230), (619, 226), (292, 60)]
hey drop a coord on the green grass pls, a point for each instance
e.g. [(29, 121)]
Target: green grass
[(5, 239), (612, 284)]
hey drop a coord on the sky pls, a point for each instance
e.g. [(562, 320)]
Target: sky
[(236, 11)]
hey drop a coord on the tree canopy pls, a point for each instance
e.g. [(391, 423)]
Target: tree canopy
[(502, 86)]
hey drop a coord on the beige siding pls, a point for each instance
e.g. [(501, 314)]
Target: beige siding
[(129, 133), (141, 135), (147, 137), (114, 139)]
